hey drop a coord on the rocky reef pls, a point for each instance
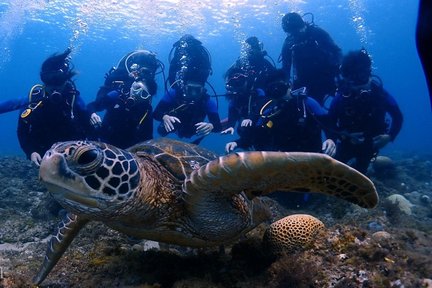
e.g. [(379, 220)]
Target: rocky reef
[(382, 247)]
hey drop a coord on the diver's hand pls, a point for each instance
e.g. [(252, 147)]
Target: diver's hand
[(36, 158), (230, 146), (95, 120), (168, 122), (329, 147), (381, 140), (203, 128), (246, 123), (229, 130)]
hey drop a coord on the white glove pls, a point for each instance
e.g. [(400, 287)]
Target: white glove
[(203, 128), (95, 120), (329, 147), (230, 146), (35, 158), (381, 140), (169, 121), (246, 123), (229, 130)]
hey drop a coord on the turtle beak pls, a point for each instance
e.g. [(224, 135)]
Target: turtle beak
[(53, 167), (53, 173), (49, 167), (59, 180)]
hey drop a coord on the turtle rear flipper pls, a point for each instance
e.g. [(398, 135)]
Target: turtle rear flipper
[(260, 173), (66, 231)]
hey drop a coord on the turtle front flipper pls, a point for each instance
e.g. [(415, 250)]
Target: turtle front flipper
[(67, 229), (260, 173)]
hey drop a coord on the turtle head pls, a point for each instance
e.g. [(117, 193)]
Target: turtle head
[(90, 177)]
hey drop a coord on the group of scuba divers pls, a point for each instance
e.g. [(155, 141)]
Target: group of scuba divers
[(316, 95)]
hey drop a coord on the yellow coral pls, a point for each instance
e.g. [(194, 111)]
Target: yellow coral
[(292, 232)]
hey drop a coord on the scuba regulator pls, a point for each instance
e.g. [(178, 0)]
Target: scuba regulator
[(138, 93)]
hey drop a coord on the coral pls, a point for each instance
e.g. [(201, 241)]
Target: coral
[(392, 212), (294, 271), (379, 236), (384, 166), (343, 242), (292, 233), (350, 252), (419, 167), (403, 204)]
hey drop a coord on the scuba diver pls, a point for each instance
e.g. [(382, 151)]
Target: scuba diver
[(360, 113), (186, 104), (127, 98), (189, 60), (253, 61), (55, 110), (242, 98), (287, 121), (244, 82), (310, 57)]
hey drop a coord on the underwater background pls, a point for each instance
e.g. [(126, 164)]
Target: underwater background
[(101, 32)]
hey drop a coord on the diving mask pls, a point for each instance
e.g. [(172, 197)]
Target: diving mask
[(138, 93), (348, 88), (138, 72), (236, 83), (54, 77), (134, 71), (358, 79)]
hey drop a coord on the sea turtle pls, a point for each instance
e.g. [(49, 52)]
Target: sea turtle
[(179, 193)]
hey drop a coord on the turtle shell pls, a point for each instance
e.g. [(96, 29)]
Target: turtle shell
[(179, 158)]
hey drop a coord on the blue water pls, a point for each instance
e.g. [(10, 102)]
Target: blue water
[(101, 32)]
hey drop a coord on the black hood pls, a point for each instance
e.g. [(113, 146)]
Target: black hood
[(56, 69)]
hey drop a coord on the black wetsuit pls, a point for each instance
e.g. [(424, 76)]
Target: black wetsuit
[(315, 60), (128, 120), (52, 117), (189, 113), (358, 119), (286, 125)]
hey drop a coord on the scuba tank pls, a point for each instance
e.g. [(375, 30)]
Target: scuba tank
[(189, 61)]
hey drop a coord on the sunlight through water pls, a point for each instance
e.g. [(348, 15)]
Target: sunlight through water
[(138, 18), (358, 12), (13, 16)]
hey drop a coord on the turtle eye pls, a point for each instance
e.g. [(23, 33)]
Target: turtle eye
[(87, 157)]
